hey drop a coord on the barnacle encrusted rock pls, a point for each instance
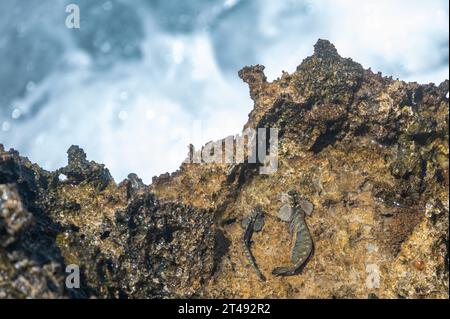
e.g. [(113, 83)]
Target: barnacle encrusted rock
[(126, 242), (369, 153)]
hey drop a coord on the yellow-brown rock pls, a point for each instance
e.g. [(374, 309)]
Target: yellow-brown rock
[(369, 152)]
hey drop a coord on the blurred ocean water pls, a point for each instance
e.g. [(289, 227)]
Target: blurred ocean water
[(142, 79)]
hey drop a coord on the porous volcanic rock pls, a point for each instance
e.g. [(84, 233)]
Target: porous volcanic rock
[(126, 243), (369, 152)]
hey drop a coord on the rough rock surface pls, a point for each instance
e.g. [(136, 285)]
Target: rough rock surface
[(127, 243), (369, 152)]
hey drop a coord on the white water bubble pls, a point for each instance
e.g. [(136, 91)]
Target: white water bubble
[(6, 126), (16, 113), (123, 115)]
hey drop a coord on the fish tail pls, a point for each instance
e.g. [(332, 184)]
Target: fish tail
[(283, 271)]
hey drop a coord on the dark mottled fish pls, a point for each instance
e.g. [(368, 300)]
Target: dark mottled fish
[(253, 223), (303, 244)]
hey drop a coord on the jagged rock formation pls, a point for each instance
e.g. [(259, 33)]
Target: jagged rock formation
[(127, 243), (370, 152)]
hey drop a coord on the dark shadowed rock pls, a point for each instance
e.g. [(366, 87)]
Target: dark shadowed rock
[(369, 153)]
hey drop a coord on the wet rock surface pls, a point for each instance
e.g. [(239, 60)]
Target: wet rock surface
[(368, 153)]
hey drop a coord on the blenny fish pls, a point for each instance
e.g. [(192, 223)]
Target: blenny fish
[(295, 212), (252, 223)]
